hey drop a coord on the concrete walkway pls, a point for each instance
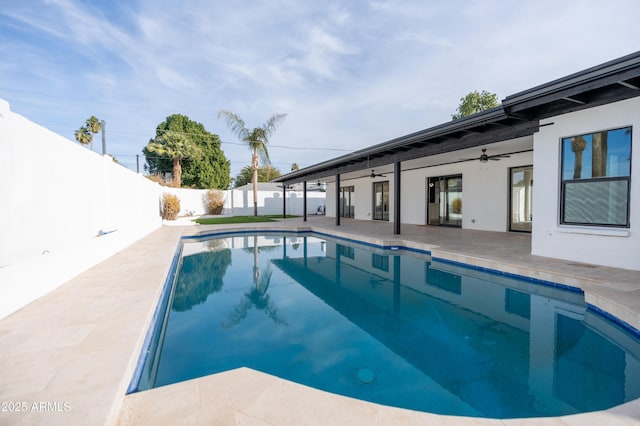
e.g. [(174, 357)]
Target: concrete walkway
[(68, 357)]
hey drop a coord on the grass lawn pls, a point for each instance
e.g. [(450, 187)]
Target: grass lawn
[(239, 219)]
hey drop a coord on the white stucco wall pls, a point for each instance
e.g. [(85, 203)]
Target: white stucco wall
[(485, 191), (363, 196), (618, 247), (485, 188), (239, 202), (57, 196)]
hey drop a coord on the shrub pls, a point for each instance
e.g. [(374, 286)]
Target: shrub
[(456, 205), (157, 179), (215, 201), (170, 206)]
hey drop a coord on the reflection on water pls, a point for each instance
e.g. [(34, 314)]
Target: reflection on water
[(201, 275), (434, 336), (257, 297)]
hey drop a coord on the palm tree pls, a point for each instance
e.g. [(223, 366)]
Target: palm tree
[(93, 125), (599, 154), (578, 144), (257, 297), (256, 139), (176, 146), (83, 135)]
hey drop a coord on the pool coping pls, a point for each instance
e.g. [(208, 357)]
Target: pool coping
[(80, 344), (202, 389)]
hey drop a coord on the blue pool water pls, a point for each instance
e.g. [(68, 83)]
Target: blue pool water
[(387, 326)]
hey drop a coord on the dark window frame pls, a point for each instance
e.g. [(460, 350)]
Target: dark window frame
[(385, 213), (379, 261), (350, 190), (510, 199), (565, 182)]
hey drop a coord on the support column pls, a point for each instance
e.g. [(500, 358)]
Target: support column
[(304, 240), (338, 199), (396, 285), (304, 201), (396, 198), (284, 200)]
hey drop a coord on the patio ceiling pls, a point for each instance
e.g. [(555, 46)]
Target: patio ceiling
[(516, 118)]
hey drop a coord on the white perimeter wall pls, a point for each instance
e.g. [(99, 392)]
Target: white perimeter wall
[(239, 202), (56, 197), (604, 246), (485, 189)]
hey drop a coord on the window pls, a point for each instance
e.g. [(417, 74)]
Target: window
[(445, 201), (381, 200), (345, 251), (347, 200), (517, 302), (379, 261), (521, 199), (596, 178), (443, 280)]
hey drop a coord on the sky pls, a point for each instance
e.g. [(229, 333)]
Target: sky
[(348, 74)]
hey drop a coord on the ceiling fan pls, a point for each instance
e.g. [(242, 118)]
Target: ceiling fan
[(373, 174), (484, 157)]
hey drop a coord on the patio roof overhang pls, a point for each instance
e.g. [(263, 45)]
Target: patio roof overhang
[(519, 115)]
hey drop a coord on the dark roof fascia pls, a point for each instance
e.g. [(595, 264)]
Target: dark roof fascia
[(513, 106), (492, 115), (602, 73)]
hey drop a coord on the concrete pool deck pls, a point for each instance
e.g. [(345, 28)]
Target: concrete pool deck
[(68, 357)]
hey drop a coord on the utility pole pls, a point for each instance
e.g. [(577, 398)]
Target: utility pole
[(104, 140)]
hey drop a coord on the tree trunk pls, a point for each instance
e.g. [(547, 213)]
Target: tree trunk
[(254, 181), (578, 144), (256, 262), (577, 171), (599, 156), (177, 173)]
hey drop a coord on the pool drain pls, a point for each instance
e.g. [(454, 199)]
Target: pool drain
[(365, 376)]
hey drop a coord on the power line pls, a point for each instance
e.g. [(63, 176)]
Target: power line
[(270, 145), (142, 156)]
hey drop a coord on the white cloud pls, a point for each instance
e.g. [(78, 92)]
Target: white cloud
[(348, 74), (173, 79)]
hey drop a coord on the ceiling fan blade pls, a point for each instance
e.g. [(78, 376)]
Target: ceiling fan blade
[(500, 156)]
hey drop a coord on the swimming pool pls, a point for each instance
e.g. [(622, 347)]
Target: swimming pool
[(388, 326)]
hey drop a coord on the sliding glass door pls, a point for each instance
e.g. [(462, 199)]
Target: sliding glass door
[(444, 200), (381, 200), (347, 208), (521, 195)]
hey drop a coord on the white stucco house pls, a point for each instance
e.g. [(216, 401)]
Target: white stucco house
[(574, 137)]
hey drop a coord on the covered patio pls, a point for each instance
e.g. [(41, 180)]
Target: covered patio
[(469, 173)]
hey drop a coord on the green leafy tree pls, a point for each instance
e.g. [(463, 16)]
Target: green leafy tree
[(201, 274), (177, 147), (265, 174), (475, 102), (295, 167), (256, 140), (209, 170)]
